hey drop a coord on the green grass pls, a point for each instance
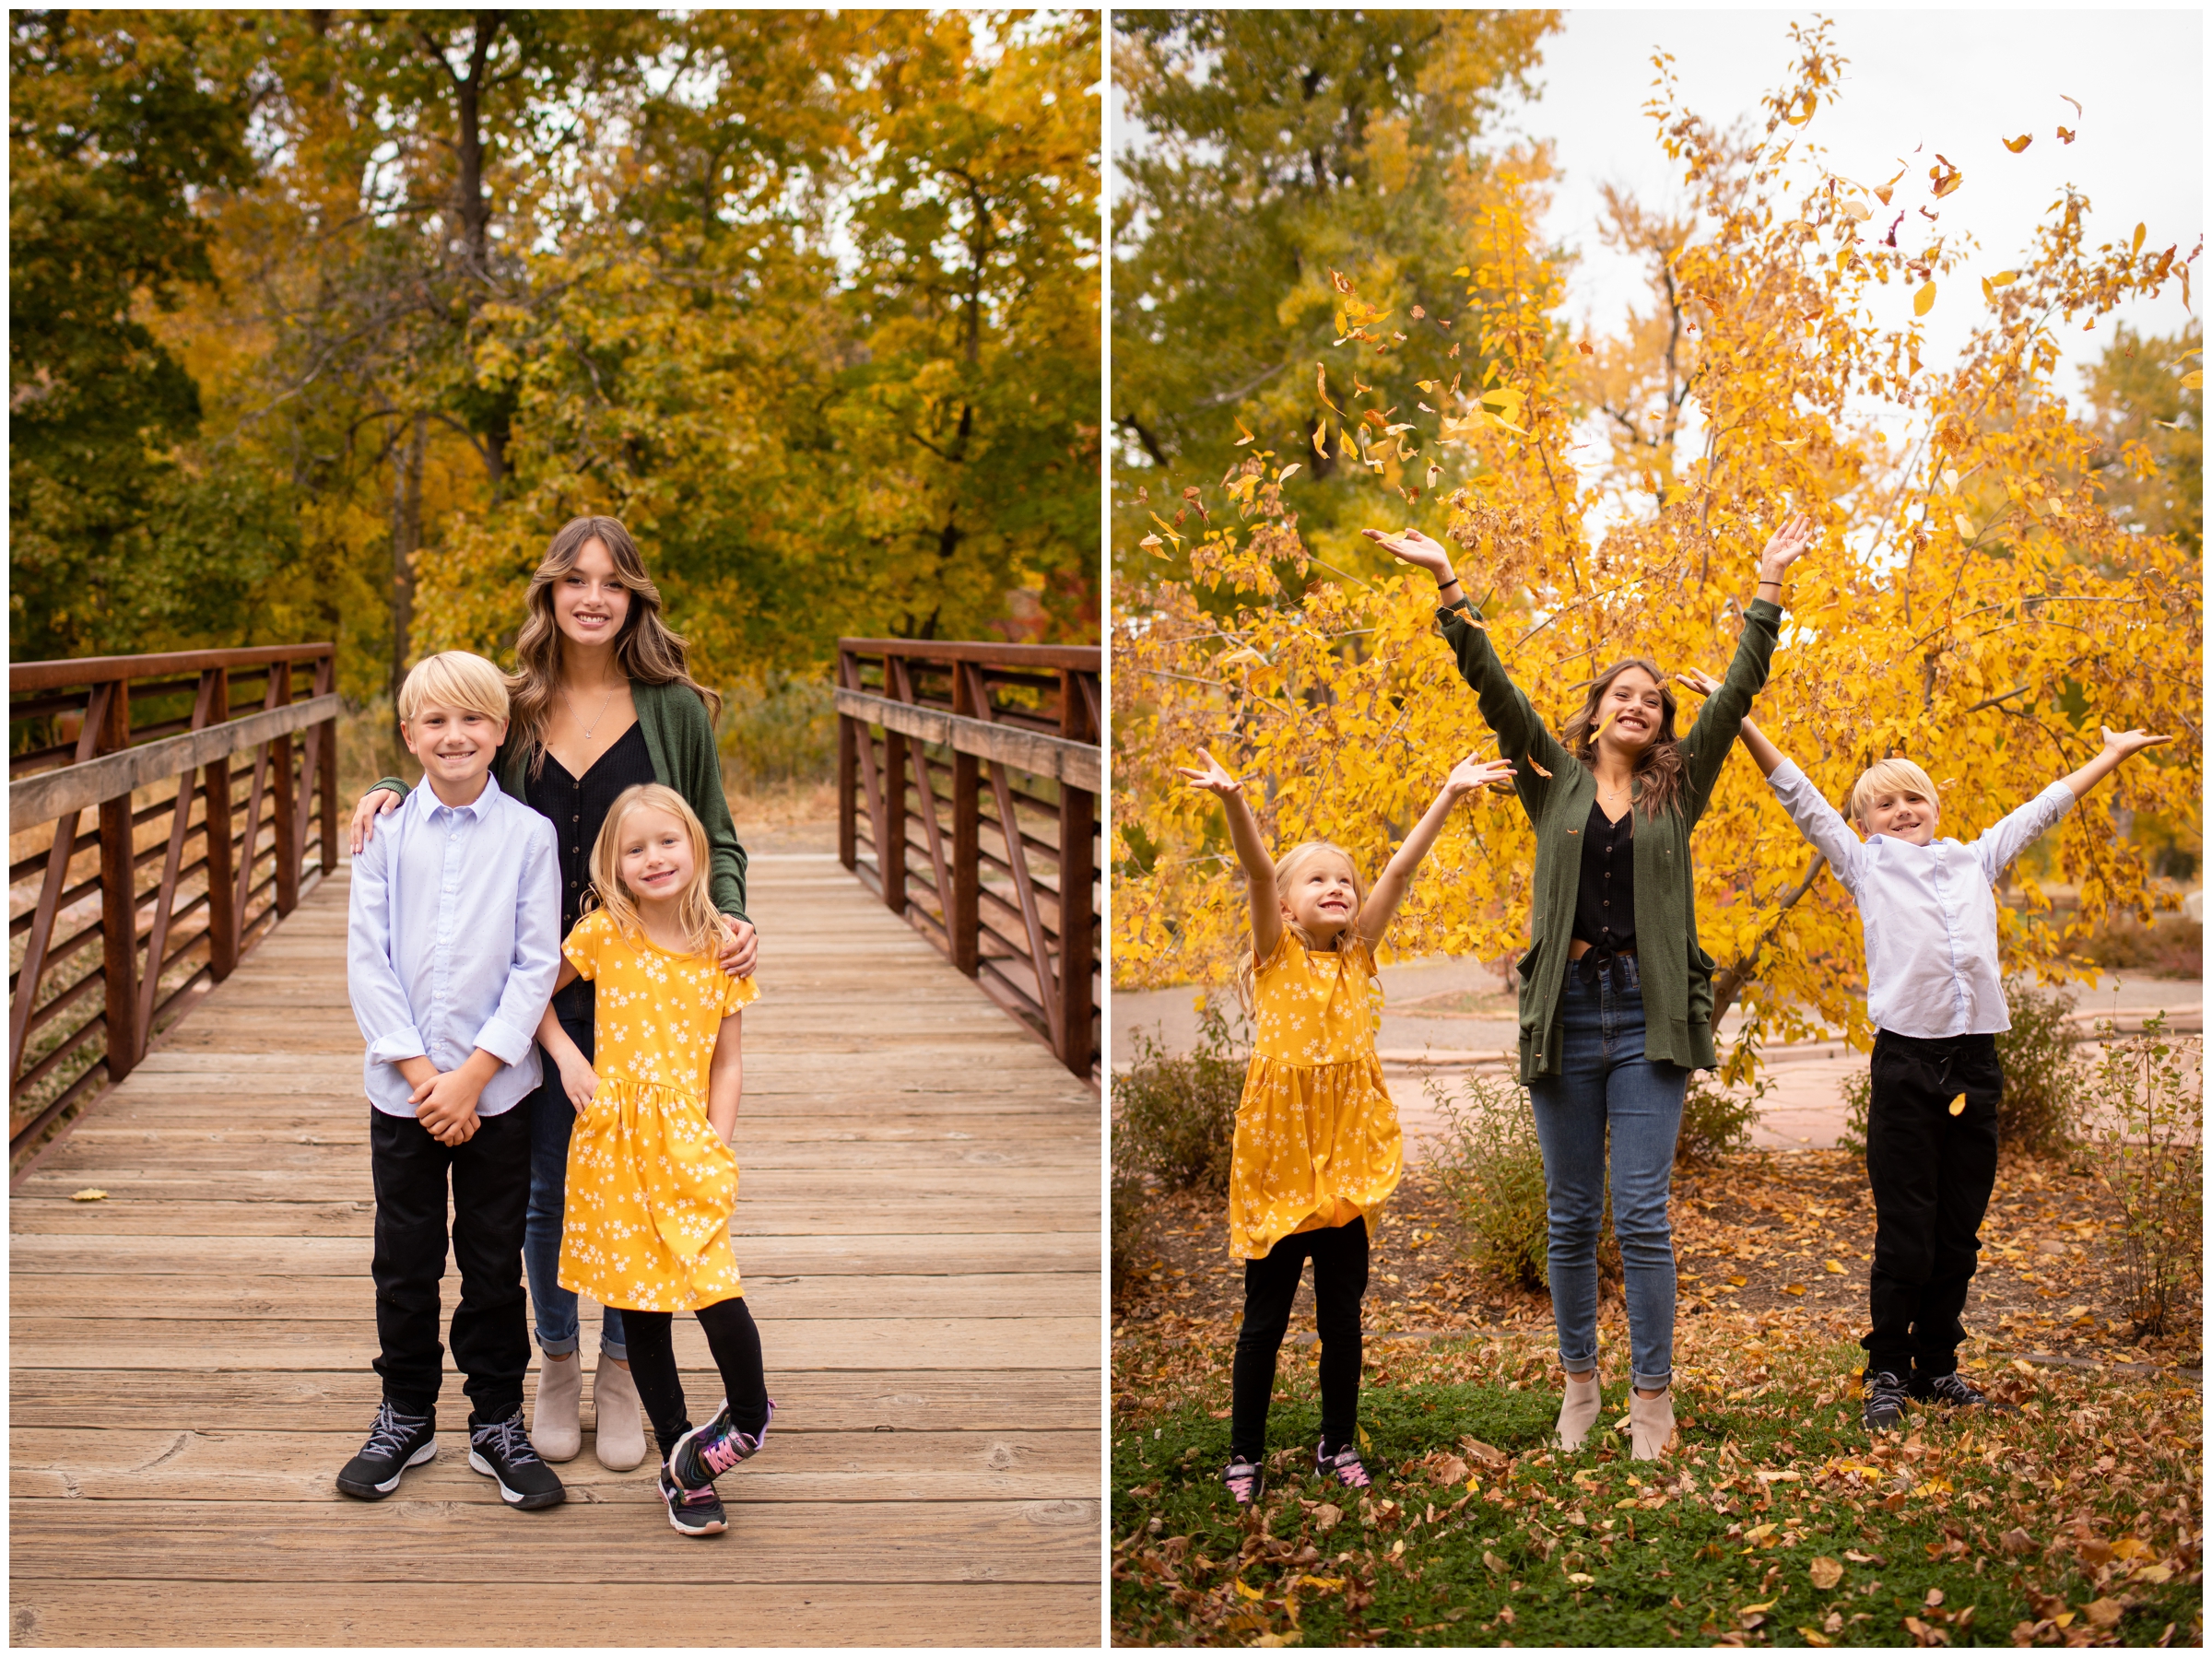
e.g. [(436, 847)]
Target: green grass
[(1425, 1562)]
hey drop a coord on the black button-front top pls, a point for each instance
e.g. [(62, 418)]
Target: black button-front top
[(578, 809), (1605, 902)]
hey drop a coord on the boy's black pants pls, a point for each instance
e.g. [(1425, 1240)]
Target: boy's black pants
[(1932, 1173), (491, 1176), (1339, 1257)]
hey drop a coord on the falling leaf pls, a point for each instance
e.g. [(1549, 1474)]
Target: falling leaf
[(1284, 475), (2004, 278), (1143, 496), (2193, 380), (1430, 386), (2135, 246), (1827, 1572), (1358, 390), (1455, 350), (1241, 658), (91, 1193), (1321, 439), (1435, 472), (2077, 105), (1151, 543), (1337, 281), (1957, 1106), (1547, 776), (1860, 211), (2020, 143), (1418, 313), (1789, 442), (1960, 522), (1925, 300), (1321, 387), (2066, 134), (1462, 271), (1246, 438)]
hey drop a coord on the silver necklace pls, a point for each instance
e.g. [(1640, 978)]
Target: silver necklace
[(602, 713)]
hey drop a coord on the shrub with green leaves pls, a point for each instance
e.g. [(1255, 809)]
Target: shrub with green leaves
[(1717, 1121), (2146, 1124), (1180, 1111), (1125, 1229), (1486, 1162), (2042, 1089)]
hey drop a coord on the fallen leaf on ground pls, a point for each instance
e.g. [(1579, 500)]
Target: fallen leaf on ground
[(91, 1193)]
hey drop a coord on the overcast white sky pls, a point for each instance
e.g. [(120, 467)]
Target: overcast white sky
[(1954, 81)]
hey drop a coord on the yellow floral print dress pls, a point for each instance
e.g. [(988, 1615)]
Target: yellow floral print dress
[(652, 1186), (1317, 1139)]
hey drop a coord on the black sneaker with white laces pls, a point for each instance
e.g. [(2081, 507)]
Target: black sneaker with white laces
[(1885, 1395), (1955, 1392), (397, 1442), (500, 1451)]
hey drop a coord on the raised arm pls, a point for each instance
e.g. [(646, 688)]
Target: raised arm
[(1389, 889), (2009, 836), (1252, 852), (1819, 821), (1705, 750), (1764, 754), (1521, 735)]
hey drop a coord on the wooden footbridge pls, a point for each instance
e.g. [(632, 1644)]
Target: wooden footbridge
[(189, 1353)]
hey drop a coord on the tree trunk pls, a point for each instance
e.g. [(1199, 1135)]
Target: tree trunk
[(406, 536)]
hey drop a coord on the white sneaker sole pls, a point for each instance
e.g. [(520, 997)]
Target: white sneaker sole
[(427, 1454), (513, 1499)]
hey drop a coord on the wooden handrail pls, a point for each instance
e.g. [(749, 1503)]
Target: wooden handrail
[(61, 1044), (1015, 725)]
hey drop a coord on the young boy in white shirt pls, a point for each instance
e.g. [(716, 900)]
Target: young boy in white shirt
[(1928, 911), (452, 945)]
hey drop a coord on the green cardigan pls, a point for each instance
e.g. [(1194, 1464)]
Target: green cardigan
[(1676, 974), (680, 739)]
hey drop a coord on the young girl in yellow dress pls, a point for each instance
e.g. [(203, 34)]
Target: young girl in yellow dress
[(651, 1181), (1317, 1148)]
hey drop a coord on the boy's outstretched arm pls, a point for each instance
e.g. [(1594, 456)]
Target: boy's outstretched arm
[(1389, 891), (1252, 852), (1764, 754), (1819, 821), (2118, 745)]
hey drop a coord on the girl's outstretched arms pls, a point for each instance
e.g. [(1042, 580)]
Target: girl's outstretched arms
[(1389, 891), (1251, 853)]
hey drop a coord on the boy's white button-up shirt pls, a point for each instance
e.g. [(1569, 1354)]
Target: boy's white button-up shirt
[(1928, 913), (452, 942)]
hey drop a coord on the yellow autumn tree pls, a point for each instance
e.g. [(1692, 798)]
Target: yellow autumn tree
[(1972, 604)]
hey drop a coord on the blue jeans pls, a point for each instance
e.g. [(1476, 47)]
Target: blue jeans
[(552, 1119), (1604, 1081)]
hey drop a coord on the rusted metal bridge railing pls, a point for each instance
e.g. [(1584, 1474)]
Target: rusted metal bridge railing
[(191, 859), (968, 776)]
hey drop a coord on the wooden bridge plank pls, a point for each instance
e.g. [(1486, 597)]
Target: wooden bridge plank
[(133, 1612), (918, 1223)]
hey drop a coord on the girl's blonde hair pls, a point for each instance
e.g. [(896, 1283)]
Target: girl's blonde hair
[(695, 913), (1285, 870), (645, 649)]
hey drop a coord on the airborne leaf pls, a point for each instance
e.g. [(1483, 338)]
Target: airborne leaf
[(2020, 143), (1923, 301)]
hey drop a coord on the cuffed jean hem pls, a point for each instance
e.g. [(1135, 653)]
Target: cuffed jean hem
[(1653, 1383), (563, 1349)]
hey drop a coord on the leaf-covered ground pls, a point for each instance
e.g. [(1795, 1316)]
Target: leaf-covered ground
[(1776, 1520)]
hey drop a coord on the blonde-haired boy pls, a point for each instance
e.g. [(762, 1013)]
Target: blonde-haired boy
[(452, 942), (1928, 911)]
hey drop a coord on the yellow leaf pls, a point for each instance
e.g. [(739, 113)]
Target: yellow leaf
[(2136, 245), (2193, 380), (1792, 442), (1325, 1585), (1284, 476), (91, 1193), (1989, 291), (2020, 143), (2004, 278), (1460, 271), (1237, 658), (1735, 1283), (1430, 386), (1247, 437), (1858, 210), (1966, 533), (1762, 1605), (1925, 300), (1321, 439), (1793, 1289), (1151, 543), (1248, 1591), (1834, 1266), (1958, 1105), (1320, 388)]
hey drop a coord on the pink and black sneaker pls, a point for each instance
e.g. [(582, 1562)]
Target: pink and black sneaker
[(1345, 1467), (1245, 1481), (705, 1453)]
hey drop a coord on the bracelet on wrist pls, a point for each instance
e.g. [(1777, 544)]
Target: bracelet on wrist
[(1449, 579)]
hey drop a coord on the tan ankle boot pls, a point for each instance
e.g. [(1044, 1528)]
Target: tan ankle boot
[(554, 1431), (619, 1433), (1578, 1411), (1650, 1424)]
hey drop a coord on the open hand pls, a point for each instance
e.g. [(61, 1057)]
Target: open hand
[(1471, 773), (374, 804), (1705, 684), (2121, 743), (1411, 546), (1791, 542), (1215, 778)]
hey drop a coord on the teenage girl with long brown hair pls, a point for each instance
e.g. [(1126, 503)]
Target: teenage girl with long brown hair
[(1616, 996), (603, 700)]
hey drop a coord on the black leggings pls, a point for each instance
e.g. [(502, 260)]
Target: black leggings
[(1339, 1255), (733, 1341)]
